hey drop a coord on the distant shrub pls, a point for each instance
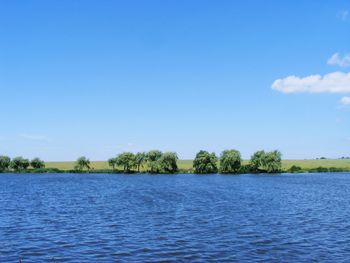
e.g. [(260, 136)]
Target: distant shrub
[(45, 170), (337, 170), (295, 169), (246, 169), (319, 170)]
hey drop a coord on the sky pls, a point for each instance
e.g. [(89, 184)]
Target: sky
[(97, 78)]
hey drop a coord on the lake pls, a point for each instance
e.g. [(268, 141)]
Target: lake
[(174, 218)]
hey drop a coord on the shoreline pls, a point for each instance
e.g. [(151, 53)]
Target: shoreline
[(118, 172), (185, 166)]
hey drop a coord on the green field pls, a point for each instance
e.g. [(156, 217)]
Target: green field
[(97, 165), (187, 164)]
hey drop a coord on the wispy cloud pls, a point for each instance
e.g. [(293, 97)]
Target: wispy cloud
[(345, 101), (337, 60), (34, 137), (336, 82), (343, 14)]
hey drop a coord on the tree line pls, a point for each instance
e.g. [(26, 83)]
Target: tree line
[(230, 161), (155, 161), (19, 164)]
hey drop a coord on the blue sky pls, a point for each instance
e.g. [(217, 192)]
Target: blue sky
[(97, 78)]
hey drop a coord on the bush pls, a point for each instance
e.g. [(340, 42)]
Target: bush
[(295, 169), (245, 169), (319, 169), (336, 170)]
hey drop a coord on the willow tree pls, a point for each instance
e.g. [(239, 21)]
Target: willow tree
[(153, 161), (270, 162), (273, 161), (4, 163), (19, 164), (126, 160), (140, 160), (82, 163), (37, 163), (168, 162), (205, 163), (112, 162), (230, 161), (257, 160)]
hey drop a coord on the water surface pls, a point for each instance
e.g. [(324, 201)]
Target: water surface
[(176, 218)]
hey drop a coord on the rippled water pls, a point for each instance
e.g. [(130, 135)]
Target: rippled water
[(133, 218)]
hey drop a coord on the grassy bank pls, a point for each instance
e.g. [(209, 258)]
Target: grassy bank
[(186, 165)]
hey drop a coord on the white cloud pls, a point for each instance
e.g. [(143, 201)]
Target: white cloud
[(34, 137), (336, 59), (343, 14), (345, 101), (336, 82)]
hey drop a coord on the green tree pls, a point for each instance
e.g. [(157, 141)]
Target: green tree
[(112, 162), (36, 163), (205, 163), (82, 163), (273, 161), (126, 160), (19, 164), (270, 162), (230, 161), (153, 161), (140, 159), (4, 163), (257, 160), (168, 162)]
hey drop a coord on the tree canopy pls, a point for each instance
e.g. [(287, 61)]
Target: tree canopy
[(230, 161), (36, 163), (4, 163), (112, 162), (152, 161), (168, 162), (205, 163), (140, 159), (270, 162), (19, 164), (155, 161), (126, 160), (82, 163)]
